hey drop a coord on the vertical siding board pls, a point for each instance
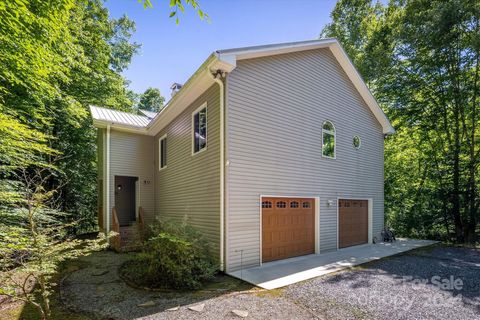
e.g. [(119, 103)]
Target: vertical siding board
[(132, 155), (189, 187), (276, 106)]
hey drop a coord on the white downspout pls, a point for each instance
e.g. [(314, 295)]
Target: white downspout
[(222, 168), (107, 180)]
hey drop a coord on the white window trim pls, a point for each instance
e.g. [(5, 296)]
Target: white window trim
[(160, 168), (203, 106), (334, 133)]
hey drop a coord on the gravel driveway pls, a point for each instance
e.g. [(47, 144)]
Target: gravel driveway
[(415, 285), (407, 286)]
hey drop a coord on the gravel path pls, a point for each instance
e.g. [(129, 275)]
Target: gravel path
[(96, 289), (386, 289), (392, 288)]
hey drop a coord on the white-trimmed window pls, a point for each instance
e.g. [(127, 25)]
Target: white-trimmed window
[(162, 152), (328, 140), (199, 124)]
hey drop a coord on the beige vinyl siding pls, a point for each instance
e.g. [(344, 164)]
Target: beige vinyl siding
[(189, 186), (132, 155), (275, 110)]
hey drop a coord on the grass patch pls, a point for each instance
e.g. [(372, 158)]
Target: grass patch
[(273, 293)]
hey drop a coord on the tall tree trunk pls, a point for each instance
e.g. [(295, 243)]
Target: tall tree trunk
[(459, 232), (470, 235)]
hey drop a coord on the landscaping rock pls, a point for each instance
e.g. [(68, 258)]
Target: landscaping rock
[(100, 289), (98, 273), (240, 313), (174, 308), (147, 304), (197, 308)]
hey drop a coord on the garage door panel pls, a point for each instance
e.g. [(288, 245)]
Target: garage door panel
[(352, 222), (287, 228)]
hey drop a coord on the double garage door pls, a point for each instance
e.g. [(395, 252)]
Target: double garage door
[(288, 226)]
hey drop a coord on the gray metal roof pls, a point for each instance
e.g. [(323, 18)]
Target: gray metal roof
[(148, 114), (119, 117)]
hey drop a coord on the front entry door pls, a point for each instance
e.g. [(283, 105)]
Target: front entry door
[(125, 199)]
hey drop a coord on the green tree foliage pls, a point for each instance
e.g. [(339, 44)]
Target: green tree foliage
[(151, 100), (421, 60), (179, 5), (34, 240), (57, 58)]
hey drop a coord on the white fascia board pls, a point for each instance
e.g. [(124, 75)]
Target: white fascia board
[(361, 87), (170, 112), (226, 62), (193, 88), (263, 51), (154, 126), (119, 127)]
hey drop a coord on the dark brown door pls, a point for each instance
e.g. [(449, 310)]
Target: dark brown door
[(288, 227), (125, 199), (352, 222)]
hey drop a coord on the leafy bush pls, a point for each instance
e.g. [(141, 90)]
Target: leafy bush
[(176, 256)]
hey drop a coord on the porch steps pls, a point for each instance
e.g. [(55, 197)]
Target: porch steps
[(130, 238)]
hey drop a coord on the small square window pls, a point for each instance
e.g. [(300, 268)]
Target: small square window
[(281, 204), (266, 204), (306, 205), (294, 204)]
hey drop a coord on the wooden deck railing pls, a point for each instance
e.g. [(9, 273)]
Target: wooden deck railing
[(116, 241)]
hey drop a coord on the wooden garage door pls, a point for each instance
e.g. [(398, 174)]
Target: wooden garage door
[(352, 222), (288, 227)]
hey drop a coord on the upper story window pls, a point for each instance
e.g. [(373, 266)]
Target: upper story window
[(328, 140), (199, 123), (162, 152)]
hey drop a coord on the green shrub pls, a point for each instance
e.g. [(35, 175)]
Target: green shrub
[(176, 256)]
